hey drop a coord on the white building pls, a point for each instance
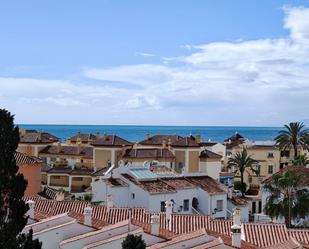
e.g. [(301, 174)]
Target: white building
[(76, 231), (129, 186)]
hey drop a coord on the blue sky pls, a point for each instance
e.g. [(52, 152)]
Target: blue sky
[(155, 62)]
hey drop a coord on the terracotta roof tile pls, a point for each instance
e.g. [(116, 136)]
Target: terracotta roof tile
[(111, 140), (208, 184), (189, 141), (152, 153), (300, 171), (38, 137), (158, 139), (84, 137), (209, 154), (22, 158), (83, 151)]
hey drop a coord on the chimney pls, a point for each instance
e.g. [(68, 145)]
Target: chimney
[(79, 147), (68, 141), (88, 215), (105, 136), (39, 136), (155, 225), (164, 144), (135, 146), (109, 202), (22, 132), (198, 139), (169, 144), (78, 140), (236, 229), (30, 212), (168, 213), (97, 137), (60, 195), (58, 147), (147, 136)]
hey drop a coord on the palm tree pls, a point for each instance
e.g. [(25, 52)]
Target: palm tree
[(242, 162), (300, 160), (285, 199), (294, 135)]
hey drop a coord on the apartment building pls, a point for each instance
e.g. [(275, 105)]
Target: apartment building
[(69, 167), (32, 141)]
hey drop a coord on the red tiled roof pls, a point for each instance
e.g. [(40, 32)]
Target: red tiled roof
[(111, 140), (208, 184), (84, 137), (189, 141), (209, 154), (155, 186), (288, 244), (300, 171), (179, 239), (158, 139), (83, 151), (178, 183), (22, 158), (153, 153), (38, 137), (260, 235)]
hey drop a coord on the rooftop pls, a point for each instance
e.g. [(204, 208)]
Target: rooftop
[(83, 151), (301, 171), (22, 158), (33, 136), (159, 139), (153, 153), (209, 154), (83, 137), (111, 141)]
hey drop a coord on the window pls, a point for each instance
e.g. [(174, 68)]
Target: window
[(133, 196), (258, 169), (260, 206), (270, 169), (285, 153), (270, 155), (250, 179), (186, 205), (78, 179), (253, 207), (162, 206), (219, 205), (56, 177), (281, 165)]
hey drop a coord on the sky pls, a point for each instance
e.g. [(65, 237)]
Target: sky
[(155, 62)]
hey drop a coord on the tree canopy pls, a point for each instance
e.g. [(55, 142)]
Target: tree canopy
[(12, 188), (133, 242)]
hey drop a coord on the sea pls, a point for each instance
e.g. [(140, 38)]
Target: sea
[(137, 133)]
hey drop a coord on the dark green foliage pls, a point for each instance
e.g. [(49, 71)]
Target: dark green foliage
[(237, 186), (12, 187), (133, 242), (301, 160), (294, 135), (241, 162), (286, 199)]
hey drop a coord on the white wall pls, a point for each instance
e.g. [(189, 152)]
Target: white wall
[(212, 168), (50, 239), (213, 205)]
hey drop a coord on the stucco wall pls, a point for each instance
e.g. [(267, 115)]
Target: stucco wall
[(194, 161), (32, 174), (101, 158), (180, 158)]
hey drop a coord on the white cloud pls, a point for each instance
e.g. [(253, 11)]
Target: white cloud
[(240, 82), (144, 54)]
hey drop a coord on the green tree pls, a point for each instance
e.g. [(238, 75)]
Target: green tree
[(133, 242), (241, 162), (294, 135), (285, 198), (239, 186), (12, 187), (300, 160)]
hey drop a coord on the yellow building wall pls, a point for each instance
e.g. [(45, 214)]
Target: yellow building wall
[(59, 180), (101, 158), (194, 161), (180, 158)]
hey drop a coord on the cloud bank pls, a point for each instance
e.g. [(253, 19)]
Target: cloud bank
[(254, 82)]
